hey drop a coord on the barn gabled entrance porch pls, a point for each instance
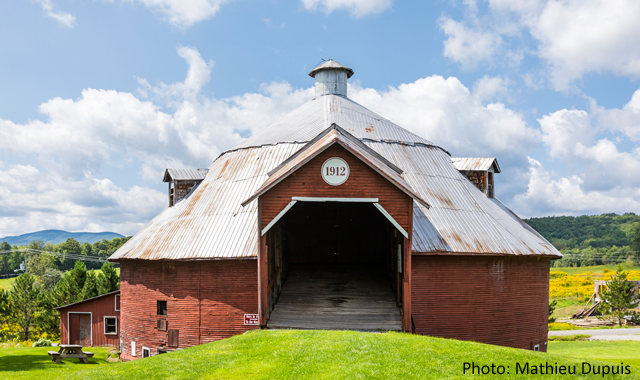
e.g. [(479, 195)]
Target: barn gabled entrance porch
[(337, 166), (335, 264)]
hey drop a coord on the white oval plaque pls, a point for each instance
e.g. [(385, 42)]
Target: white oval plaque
[(335, 171)]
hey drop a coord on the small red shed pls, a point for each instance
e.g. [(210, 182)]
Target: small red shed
[(92, 322)]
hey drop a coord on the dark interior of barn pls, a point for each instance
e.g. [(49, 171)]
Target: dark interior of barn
[(333, 265)]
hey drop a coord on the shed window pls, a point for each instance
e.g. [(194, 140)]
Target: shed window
[(162, 307), (110, 325), (536, 347), (174, 337), (146, 352), (162, 325)]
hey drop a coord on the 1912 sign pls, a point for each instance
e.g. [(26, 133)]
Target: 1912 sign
[(335, 171), (251, 319)]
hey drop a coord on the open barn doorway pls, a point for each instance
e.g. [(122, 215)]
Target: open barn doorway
[(334, 265)]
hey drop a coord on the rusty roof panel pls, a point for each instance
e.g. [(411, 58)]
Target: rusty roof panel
[(476, 163)]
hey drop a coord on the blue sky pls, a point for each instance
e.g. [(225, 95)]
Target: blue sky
[(98, 97)]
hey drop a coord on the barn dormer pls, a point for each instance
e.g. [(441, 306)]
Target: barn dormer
[(480, 171), (181, 181)]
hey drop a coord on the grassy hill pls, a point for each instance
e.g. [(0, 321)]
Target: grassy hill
[(59, 236), (294, 354)]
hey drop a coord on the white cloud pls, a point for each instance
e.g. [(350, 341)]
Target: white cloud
[(32, 200), (447, 113), (184, 13), (466, 46), (592, 148), (358, 8), (78, 139), (64, 19), (549, 194), (573, 37)]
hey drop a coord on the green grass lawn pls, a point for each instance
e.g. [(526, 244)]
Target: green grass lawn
[(7, 283), (593, 269), (615, 351), (293, 354), (34, 363)]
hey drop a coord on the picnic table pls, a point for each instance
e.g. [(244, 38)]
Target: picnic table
[(70, 351)]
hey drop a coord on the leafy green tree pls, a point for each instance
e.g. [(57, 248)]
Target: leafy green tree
[(50, 278), (552, 308), (90, 288), (25, 303), (108, 280), (633, 234), (618, 298), (4, 258)]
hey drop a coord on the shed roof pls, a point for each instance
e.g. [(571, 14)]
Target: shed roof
[(184, 174), (476, 163), (88, 300)]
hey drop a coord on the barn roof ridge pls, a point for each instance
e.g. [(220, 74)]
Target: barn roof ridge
[(337, 135)]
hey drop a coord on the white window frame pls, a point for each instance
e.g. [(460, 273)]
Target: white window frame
[(133, 348), (69, 326), (104, 323), (115, 302), (536, 348), (147, 349)]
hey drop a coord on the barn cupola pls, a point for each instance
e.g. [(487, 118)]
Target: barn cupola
[(181, 181), (331, 78), (479, 171)]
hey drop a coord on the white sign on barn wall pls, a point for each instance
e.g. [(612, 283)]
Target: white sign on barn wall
[(335, 171)]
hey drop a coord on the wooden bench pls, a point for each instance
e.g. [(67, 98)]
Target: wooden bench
[(54, 355)]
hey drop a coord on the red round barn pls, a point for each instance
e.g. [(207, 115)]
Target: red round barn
[(334, 218)]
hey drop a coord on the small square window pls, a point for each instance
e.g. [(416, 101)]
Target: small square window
[(111, 325), (536, 347), (162, 307), (146, 352)]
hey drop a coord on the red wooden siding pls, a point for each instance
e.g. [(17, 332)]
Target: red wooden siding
[(99, 308), (363, 182), (206, 301), (488, 299)]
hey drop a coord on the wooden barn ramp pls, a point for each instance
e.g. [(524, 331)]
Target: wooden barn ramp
[(336, 297)]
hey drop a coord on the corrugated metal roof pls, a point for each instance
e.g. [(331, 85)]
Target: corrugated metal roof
[(184, 174), (476, 163), (336, 135), (210, 223), (316, 115)]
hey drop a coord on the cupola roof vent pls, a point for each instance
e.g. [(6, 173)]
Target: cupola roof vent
[(331, 78)]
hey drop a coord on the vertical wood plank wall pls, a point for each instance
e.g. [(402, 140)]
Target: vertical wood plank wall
[(206, 301), (363, 182), (488, 299), (99, 308)]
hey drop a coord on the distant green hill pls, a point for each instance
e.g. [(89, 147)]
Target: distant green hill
[(597, 231), (58, 236)]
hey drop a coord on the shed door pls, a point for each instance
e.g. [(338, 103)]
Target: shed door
[(80, 329)]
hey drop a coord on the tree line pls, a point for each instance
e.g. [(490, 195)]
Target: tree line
[(27, 308), (592, 239)]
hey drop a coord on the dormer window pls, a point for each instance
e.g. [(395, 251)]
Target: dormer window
[(479, 171), (181, 181)]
